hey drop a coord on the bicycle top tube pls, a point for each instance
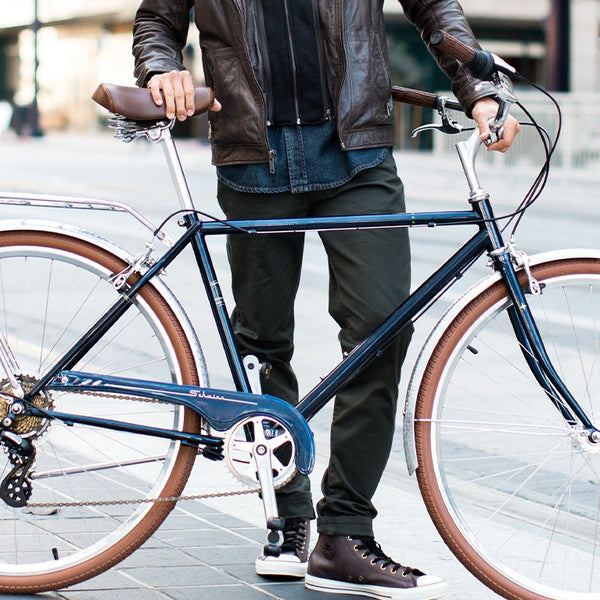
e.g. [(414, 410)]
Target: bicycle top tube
[(408, 219)]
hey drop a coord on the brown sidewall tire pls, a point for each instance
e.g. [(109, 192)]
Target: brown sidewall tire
[(427, 479)]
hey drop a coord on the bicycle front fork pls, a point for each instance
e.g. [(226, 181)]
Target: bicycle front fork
[(507, 261)]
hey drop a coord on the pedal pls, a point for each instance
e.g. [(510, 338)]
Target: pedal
[(274, 537)]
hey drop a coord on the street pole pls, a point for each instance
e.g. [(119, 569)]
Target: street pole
[(34, 115), (558, 46)]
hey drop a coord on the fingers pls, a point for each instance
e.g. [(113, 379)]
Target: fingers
[(178, 95), (484, 113), (509, 131)]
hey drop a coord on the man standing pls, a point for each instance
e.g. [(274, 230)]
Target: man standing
[(303, 127)]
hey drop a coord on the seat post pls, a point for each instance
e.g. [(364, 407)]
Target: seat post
[(175, 169)]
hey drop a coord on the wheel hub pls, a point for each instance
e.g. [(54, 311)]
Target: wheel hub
[(582, 440)]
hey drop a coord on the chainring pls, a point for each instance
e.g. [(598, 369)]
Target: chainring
[(243, 437)]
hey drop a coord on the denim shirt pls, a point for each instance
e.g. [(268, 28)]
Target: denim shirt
[(306, 158)]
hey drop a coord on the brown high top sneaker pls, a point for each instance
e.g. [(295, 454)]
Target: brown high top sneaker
[(357, 565)]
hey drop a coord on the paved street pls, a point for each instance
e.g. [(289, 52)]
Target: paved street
[(206, 548)]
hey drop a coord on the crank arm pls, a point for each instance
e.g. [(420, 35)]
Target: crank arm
[(262, 459)]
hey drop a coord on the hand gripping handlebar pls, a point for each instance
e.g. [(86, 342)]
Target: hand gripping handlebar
[(485, 66), (482, 64)]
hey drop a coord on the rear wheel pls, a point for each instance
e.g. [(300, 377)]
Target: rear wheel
[(512, 488), (52, 288)]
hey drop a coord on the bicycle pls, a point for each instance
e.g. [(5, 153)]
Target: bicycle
[(101, 424)]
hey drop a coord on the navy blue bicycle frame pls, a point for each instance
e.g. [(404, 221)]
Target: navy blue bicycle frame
[(418, 301), (486, 239)]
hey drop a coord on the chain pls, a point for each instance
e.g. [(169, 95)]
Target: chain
[(33, 505), (142, 500)]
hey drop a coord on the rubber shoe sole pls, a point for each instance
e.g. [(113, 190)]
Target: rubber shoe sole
[(281, 566), (429, 588)]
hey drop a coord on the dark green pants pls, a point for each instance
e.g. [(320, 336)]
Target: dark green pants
[(369, 275)]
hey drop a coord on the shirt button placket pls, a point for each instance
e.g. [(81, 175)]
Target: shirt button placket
[(293, 142)]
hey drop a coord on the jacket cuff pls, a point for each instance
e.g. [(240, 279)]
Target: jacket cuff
[(470, 94), (155, 67)]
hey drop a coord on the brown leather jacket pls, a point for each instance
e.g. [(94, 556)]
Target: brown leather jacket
[(355, 63)]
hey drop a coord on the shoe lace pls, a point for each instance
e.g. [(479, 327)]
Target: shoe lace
[(294, 534), (371, 548)]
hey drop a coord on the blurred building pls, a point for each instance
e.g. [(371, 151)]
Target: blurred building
[(80, 43)]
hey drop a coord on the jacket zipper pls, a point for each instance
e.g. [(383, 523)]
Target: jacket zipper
[(324, 94), (340, 32), (292, 59), (272, 153)]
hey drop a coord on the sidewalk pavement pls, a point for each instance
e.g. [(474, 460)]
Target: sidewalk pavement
[(206, 549)]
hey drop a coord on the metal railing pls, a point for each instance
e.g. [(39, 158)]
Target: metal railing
[(578, 150)]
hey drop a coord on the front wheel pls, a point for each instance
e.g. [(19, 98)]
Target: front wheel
[(513, 489), (90, 492)]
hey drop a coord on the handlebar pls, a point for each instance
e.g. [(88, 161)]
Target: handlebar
[(485, 66), (482, 65)]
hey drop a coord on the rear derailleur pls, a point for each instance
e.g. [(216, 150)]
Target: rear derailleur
[(18, 431), (16, 488)]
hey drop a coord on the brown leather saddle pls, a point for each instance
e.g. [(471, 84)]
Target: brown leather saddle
[(137, 104)]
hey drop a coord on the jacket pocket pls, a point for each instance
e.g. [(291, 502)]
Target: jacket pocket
[(367, 87), (239, 121)]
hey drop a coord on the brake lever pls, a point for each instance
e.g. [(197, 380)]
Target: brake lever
[(505, 98), (448, 124)]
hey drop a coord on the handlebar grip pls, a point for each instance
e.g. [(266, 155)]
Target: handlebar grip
[(480, 63), (416, 97), (421, 98), (452, 46)]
